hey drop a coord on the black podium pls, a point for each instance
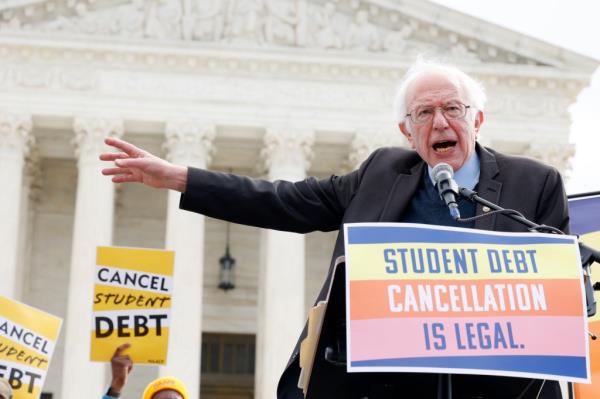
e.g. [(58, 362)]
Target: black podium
[(330, 380)]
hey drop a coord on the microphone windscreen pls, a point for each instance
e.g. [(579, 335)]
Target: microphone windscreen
[(442, 171)]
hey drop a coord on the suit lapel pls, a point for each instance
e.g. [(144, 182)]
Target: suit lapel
[(488, 187), (406, 185), (404, 188)]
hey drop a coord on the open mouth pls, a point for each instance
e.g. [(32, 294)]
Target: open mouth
[(444, 146)]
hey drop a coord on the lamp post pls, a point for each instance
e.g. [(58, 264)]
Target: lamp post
[(227, 264)]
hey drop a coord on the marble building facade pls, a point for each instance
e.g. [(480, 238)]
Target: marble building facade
[(277, 89)]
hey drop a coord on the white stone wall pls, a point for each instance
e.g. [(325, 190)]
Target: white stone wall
[(330, 75), (233, 311), (226, 312), (51, 237)]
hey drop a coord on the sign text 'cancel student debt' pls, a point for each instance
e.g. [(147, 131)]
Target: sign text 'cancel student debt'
[(132, 302)]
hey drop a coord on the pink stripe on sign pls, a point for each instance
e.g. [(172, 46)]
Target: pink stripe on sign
[(401, 338)]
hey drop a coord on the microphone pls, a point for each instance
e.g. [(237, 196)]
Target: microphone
[(443, 176)]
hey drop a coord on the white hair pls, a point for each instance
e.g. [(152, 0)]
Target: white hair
[(473, 89)]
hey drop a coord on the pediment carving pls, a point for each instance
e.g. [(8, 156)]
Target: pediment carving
[(341, 26)]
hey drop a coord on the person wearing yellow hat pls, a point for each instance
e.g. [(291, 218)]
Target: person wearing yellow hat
[(166, 388), (161, 388)]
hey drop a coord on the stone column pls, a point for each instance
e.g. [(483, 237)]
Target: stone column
[(29, 198), (554, 154), (281, 312), (93, 226), (15, 142), (188, 143), (368, 140)]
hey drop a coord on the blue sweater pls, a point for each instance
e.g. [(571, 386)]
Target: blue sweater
[(427, 207)]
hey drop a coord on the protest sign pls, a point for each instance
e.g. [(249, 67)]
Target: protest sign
[(131, 303), (584, 211), (27, 340), (440, 299)]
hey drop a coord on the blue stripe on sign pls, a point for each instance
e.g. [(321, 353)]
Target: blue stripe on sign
[(570, 366), (584, 215), (393, 234)]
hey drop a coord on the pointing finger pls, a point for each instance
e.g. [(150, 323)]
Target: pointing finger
[(125, 179), (111, 156), (121, 348), (132, 162), (124, 146), (115, 171)]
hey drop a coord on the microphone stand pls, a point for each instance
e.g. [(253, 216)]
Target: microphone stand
[(337, 356), (588, 254)]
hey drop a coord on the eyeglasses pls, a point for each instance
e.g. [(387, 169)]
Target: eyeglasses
[(451, 110)]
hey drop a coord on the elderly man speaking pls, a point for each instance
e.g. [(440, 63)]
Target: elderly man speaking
[(440, 111)]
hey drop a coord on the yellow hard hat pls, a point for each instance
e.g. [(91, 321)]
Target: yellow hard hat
[(164, 383)]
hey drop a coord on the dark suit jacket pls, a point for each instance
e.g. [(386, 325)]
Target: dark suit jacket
[(379, 191)]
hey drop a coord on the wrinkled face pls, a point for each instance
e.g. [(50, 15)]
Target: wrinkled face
[(441, 139)]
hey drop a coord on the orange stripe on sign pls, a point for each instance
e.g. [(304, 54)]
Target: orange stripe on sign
[(592, 391), (377, 299)]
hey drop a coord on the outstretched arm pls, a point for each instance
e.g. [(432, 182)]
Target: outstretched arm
[(132, 164)]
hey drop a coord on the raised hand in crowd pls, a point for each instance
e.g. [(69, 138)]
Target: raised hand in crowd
[(121, 365)]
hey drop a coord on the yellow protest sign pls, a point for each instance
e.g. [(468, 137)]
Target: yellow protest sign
[(131, 303), (27, 340)]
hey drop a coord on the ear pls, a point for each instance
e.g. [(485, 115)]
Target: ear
[(478, 122), (406, 132)]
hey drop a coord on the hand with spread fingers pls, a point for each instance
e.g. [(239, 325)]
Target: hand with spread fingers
[(132, 164)]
